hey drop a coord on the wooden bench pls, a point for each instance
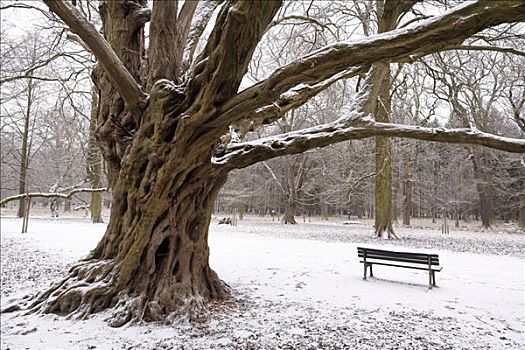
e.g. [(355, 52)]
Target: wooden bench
[(417, 261)]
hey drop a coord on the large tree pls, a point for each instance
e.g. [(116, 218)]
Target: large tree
[(162, 116)]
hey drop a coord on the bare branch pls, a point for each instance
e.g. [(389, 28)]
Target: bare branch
[(240, 155), (288, 101), (517, 106), (117, 72), (29, 76), (26, 7), (487, 48), (358, 181), (428, 36), (51, 194), (221, 66), (75, 38), (203, 14), (304, 19), (29, 73), (184, 24)]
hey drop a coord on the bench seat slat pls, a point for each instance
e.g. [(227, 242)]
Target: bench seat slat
[(415, 258), (392, 253), (406, 266), (401, 259)]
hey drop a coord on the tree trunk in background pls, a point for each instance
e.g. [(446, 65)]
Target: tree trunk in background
[(94, 162), (242, 210), (486, 205), (383, 189), (434, 191), (325, 210), (521, 213), (289, 213), (407, 200), (67, 205), (24, 157), (389, 13), (295, 173), (383, 179), (395, 192), (408, 184)]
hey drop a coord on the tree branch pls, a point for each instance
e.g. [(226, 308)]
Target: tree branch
[(184, 25), (162, 56), (288, 101), (202, 16), (304, 19), (240, 155), (51, 194), (120, 77), (430, 35), (221, 66), (487, 48)]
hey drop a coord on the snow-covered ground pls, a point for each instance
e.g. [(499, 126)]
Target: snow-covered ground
[(295, 287)]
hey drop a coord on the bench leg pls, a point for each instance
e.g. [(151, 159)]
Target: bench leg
[(365, 265), (371, 273), (434, 278), (429, 279)]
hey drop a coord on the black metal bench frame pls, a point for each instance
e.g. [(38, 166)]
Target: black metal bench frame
[(371, 256)]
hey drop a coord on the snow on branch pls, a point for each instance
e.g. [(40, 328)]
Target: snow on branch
[(291, 99), (430, 35), (121, 78), (68, 195), (240, 155)]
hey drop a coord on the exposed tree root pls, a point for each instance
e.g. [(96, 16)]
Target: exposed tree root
[(92, 286), (390, 234)]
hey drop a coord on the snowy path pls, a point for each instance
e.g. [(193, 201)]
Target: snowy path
[(294, 293)]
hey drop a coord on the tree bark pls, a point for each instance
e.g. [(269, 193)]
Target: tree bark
[(407, 201), (153, 259), (383, 189), (483, 187), (383, 179), (289, 212), (389, 12), (521, 209), (24, 158), (94, 162)]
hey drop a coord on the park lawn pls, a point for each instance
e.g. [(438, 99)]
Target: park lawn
[(293, 287)]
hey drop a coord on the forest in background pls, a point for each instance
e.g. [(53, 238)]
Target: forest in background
[(48, 118)]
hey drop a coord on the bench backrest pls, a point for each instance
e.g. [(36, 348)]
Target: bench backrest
[(413, 258)]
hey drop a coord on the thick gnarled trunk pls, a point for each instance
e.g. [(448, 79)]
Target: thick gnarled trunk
[(153, 259)]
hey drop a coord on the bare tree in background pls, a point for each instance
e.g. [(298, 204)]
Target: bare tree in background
[(22, 93)]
